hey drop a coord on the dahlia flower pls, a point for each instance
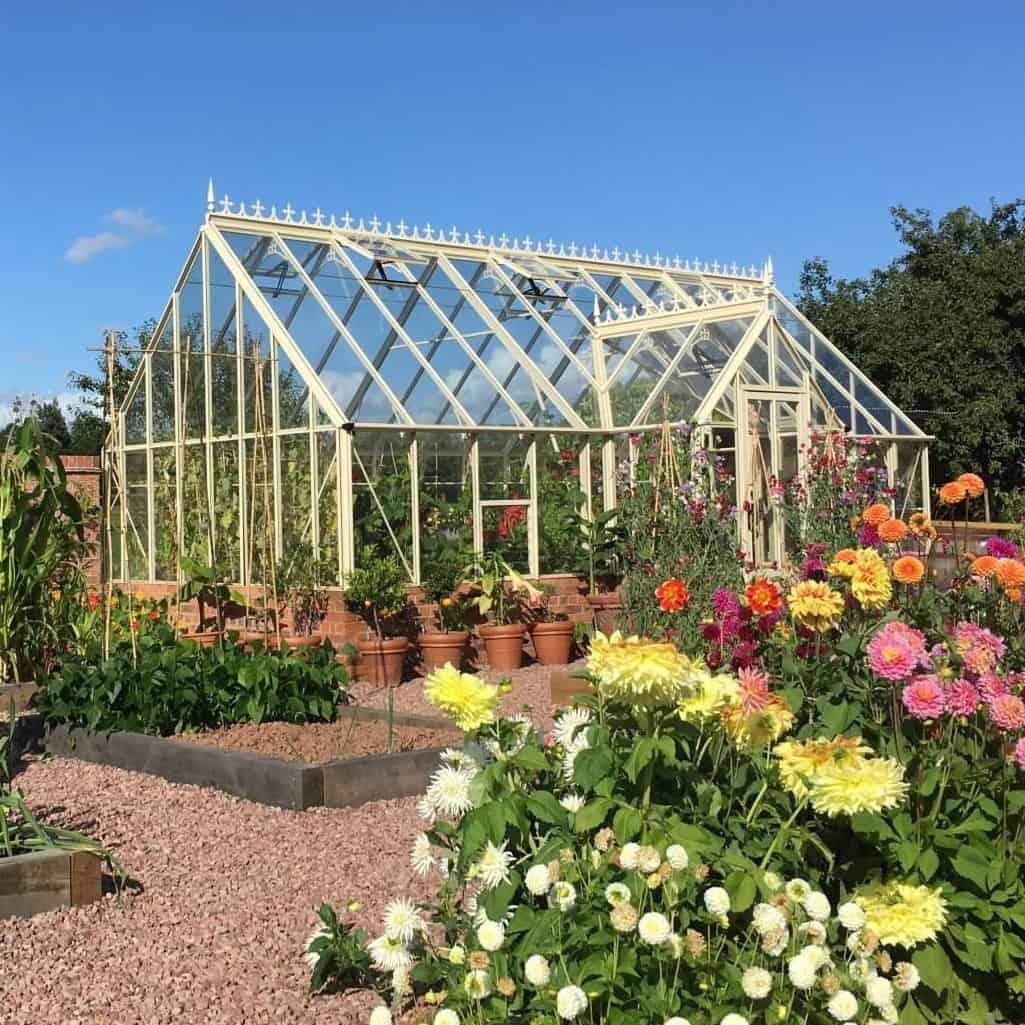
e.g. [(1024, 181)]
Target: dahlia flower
[(465, 698), (892, 531), (953, 492), (672, 595), (641, 672), (756, 983), (849, 787), (962, 698), (1007, 711), (570, 1002), (908, 569), (901, 914), (763, 597), (895, 651), (1001, 548), (1019, 753), (973, 484), (924, 698), (876, 514), (537, 971), (870, 581), (979, 648), (799, 760), (711, 695), (752, 730), (815, 605)]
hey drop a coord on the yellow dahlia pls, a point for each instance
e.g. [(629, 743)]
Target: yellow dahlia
[(465, 698), (711, 695), (901, 914), (815, 605), (641, 672), (870, 581), (752, 730), (847, 786), (800, 761), (842, 564)]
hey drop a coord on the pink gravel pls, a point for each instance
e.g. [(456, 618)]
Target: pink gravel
[(217, 933)]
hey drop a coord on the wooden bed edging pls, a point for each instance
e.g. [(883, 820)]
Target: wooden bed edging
[(340, 783), (46, 880)]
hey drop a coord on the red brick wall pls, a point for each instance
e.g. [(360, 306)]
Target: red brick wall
[(83, 473), (342, 626)]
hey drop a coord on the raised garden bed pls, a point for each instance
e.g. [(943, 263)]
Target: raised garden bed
[(46, 880), (281, 781)]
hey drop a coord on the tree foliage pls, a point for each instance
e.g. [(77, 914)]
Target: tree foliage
[(942, 331)]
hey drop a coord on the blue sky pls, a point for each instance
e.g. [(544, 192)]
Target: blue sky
[(725, 131)]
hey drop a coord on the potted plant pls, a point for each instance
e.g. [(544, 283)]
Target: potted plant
[(208, 587), (502, 593), (602, 541), (377, 592), (447, 641), (551, 632), (304, 600)]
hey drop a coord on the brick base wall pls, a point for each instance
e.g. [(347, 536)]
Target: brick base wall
[(342, 626), (83, 474)]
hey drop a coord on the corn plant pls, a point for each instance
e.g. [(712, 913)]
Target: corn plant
[(40, 535)]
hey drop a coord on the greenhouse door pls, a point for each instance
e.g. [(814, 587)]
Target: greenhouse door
[(772, 427)]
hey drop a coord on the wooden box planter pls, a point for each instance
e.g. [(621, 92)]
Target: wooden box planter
[(46, 880), (285, 784)]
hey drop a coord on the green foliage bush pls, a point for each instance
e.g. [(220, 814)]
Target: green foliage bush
[(165, 685)]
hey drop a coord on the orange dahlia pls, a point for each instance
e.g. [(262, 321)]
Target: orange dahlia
[(984, 566), (763, 597), (876, 513), (973, 484), (952, 492), (892, 530), (672, 595), (1010, 573), (908, 569)]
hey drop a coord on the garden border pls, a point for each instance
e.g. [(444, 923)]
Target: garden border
[(285, 784)]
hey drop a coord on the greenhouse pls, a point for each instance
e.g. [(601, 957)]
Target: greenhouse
[(364, 386)]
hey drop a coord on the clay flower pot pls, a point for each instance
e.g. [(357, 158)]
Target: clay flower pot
[(381, 661), (303, 640), (440, 646), (503, 644), (552, 642), (605, 605)]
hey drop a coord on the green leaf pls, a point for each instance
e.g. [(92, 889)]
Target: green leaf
[(928, 862), (934, 966), (626, 824), (543, 805), (641, 755), (530, 757), (971, 864), (742, 888), (591, 765), (592, 815)]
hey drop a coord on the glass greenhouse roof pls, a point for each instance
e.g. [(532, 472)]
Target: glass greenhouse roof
[(399, 326)]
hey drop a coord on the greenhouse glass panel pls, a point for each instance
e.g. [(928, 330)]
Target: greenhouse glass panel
[(226, 508), (563, 480), (162, 373), (328, 553), (260, 551), (446, 498), (137, 515), (382, 497), (165, 513)]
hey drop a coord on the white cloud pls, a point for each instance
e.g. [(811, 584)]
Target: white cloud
[(12, 404), (85, 247), (136, 221), (131, 224)]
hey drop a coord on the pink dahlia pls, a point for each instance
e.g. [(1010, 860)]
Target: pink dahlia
[(1001, 548), (754, 689), (1008, 712), (991, 686), (962, 698), (923, 697), (1019, 753), (980, 649), (868, 536), (896, 651)]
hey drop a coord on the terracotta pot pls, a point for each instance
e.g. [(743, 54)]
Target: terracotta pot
[(381, 662), (605, 607), (440, 646), (552, 642), (504, 645), (303, 640)]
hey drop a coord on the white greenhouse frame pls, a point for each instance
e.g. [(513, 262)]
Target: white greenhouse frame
[(528, 344)]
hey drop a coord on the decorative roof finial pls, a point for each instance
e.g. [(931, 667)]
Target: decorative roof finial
[(210, 200), (767, 275)]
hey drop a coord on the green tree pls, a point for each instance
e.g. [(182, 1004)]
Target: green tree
[(942, 331)]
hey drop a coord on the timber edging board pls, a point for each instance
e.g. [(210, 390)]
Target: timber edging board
[(293, 785), (48, 879), (340, 783)]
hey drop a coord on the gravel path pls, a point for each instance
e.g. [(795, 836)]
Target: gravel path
[(229, 888)]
